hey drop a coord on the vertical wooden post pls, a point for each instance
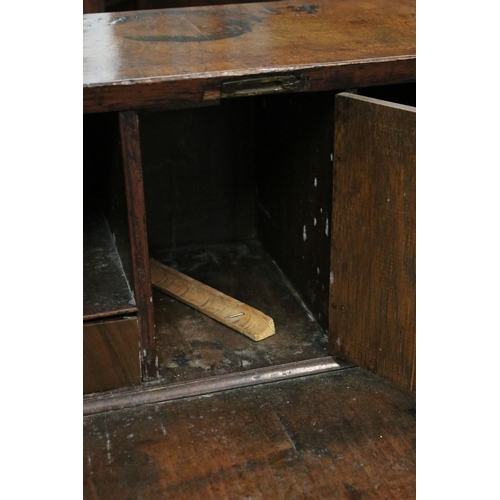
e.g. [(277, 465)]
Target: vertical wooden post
[(134, 188)]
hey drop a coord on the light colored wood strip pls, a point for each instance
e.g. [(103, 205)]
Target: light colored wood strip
[(227, 310)]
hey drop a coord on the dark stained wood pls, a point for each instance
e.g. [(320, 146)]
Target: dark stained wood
[(405, 93), (131, 152), (372, 291), (110, 355), (346, 434), (199, 174), (161, 392), (192, 346), (202, 92), (294, 148), (93, 6), (181, 57), (106, 290)]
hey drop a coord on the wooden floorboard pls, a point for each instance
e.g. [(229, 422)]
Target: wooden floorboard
[(347, 434)]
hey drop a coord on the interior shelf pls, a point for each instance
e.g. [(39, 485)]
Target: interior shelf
[(192, 345), (106, 290)]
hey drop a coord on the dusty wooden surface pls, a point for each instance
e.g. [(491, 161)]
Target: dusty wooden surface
[(110, 355), (227, 310), (181, 57), (106, 290), (345, 435), (373, 281), (192, 346), (134, 188)]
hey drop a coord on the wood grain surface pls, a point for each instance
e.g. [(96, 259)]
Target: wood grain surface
[(134, 188), (227, 310), (373, 280), (342, 435), (110, 355), (181, 57)]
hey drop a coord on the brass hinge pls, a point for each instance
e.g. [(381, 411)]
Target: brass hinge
[(262, 86)]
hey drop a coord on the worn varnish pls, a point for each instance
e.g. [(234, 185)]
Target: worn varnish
[(110, 354), (181, 57), (347, 434), (373, 274), (192, 345)]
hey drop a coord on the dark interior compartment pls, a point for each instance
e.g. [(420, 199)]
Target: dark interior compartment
[(238, 196), (404, 93), (107, 270)]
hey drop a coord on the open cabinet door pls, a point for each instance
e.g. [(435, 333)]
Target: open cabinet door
[(372, 284)]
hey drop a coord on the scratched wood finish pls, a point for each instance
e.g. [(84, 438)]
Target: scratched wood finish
[(110, 355), (229, 311), (347, 434), (181, 57), (192, 346), (131, 154), (372, 292)]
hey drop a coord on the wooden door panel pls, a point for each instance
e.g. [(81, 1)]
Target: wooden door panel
[(372, 281), (110, 355)]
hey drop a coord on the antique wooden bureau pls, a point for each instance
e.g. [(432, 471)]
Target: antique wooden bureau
[(268, 150)]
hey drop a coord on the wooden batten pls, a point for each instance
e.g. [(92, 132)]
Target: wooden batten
[(227, 310)]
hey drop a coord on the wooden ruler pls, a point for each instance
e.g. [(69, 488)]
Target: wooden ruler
[(231, 312)]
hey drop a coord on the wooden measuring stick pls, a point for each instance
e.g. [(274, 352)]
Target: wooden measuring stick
[(231, 312)]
